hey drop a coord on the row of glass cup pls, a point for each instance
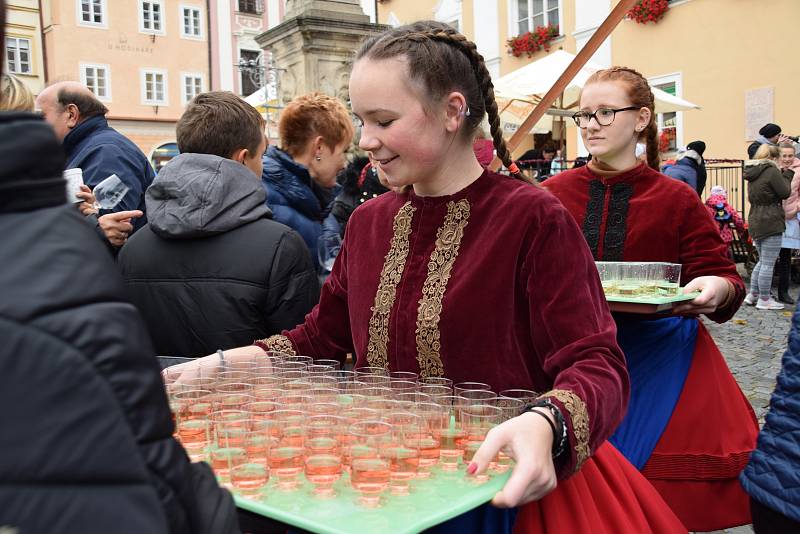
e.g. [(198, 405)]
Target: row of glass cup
[(281, 416), (639, 279)]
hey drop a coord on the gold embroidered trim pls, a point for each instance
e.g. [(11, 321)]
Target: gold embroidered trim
[(448, 241), (280, 343), (393, 266), (580, 421)]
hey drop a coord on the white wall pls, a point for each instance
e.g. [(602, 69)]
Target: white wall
[(486, 18)]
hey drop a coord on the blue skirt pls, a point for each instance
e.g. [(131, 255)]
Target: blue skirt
[(658, 353)]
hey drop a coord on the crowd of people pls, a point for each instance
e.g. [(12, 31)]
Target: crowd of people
[(219, 257)]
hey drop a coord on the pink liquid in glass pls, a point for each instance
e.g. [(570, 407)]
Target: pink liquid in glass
[(249, 479), (370, 477), (286, 463)]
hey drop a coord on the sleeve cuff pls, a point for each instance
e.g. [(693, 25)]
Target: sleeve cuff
[(577, 422), (277, 343)]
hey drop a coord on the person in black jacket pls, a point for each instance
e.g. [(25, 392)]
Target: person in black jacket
[(86, 442), (360, 182), (211, 270)]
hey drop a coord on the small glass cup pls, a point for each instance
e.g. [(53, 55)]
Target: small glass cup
[(609, 276), (461, 387), (633, 277), (669, 284), (323, 470), (369, 472), (477, 420), (248, 479)]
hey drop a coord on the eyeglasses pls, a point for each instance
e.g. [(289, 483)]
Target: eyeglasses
[(603, 116)]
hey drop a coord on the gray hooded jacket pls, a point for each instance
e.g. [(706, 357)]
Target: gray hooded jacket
[(211, 270)]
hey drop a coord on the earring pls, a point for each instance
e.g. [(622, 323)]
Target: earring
[(463, 113)]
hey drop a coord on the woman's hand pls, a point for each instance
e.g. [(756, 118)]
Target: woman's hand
[(87, 206), (713, 292), (528, 439), (193, 368)]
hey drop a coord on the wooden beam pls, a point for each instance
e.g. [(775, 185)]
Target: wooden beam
[(600, 35)]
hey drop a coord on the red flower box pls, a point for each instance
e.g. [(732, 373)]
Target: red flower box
[(648, 11), (531, 42)]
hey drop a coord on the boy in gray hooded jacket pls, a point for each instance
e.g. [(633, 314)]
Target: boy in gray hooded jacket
[(211, 270)]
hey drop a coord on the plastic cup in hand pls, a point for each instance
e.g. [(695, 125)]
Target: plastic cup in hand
[(109, 192)]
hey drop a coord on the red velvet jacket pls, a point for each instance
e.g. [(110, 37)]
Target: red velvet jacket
[(493, 284), (642, 215)]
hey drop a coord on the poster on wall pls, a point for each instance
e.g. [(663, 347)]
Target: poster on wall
[(758, 109)]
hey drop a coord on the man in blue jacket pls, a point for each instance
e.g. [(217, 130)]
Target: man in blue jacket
[(79, 121)]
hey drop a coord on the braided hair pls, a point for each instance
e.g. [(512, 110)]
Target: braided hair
[(641, 96), (441, 60)]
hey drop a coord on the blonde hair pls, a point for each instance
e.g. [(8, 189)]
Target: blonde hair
[(14, 95), (767, 152)]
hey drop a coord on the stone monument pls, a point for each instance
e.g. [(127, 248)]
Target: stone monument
[(313, 47)]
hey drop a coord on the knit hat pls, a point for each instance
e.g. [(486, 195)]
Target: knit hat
[(697, 146), (770, 130), (719, 190)]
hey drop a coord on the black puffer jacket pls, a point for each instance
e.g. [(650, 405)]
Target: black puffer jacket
[(85, 430), (211, 270)]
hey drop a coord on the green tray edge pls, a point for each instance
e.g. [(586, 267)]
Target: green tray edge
[(482, 494), (661, 300)]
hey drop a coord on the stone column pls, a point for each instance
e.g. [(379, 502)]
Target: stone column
[(314, 46)]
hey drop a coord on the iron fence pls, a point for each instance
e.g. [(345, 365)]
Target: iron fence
[(729, 173)]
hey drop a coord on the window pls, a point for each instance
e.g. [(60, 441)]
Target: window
[(92, 12), (154, 87), (191, 24), (248, 78), (151, 16), (253, 7), (670, 125), (163, 154), (192, 86), (18, 55), (98, 79), (530, 14)]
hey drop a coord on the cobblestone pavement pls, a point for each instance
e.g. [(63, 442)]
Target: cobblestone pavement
[(753, 343)]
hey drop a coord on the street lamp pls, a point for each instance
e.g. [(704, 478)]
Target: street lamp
[(267, 79)]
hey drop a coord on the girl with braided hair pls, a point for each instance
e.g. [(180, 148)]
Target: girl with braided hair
[(688, 428), (468, 274)]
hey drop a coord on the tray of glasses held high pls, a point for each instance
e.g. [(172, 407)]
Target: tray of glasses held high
[(642, 287), (446, 494)]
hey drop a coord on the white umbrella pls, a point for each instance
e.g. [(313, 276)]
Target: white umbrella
[(538, 77)]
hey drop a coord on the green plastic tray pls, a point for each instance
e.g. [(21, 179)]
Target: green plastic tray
[(443, 496), (648, 304)]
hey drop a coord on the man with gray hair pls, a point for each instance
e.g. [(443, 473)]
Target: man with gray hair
[(78, 119)]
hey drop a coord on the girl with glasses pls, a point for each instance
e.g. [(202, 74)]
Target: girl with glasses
[(688, 428)]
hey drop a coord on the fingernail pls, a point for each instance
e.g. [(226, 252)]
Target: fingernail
[(472, 468)]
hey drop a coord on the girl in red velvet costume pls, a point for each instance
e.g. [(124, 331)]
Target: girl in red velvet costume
[(472, 275), (688, 426)]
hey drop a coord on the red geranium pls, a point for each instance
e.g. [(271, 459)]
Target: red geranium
[(531, 42), (648, 11)]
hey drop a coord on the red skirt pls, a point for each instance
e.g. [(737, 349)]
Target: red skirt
[(708, 441), (607, 496)]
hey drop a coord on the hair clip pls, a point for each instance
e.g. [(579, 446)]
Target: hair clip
[(513, 169)]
